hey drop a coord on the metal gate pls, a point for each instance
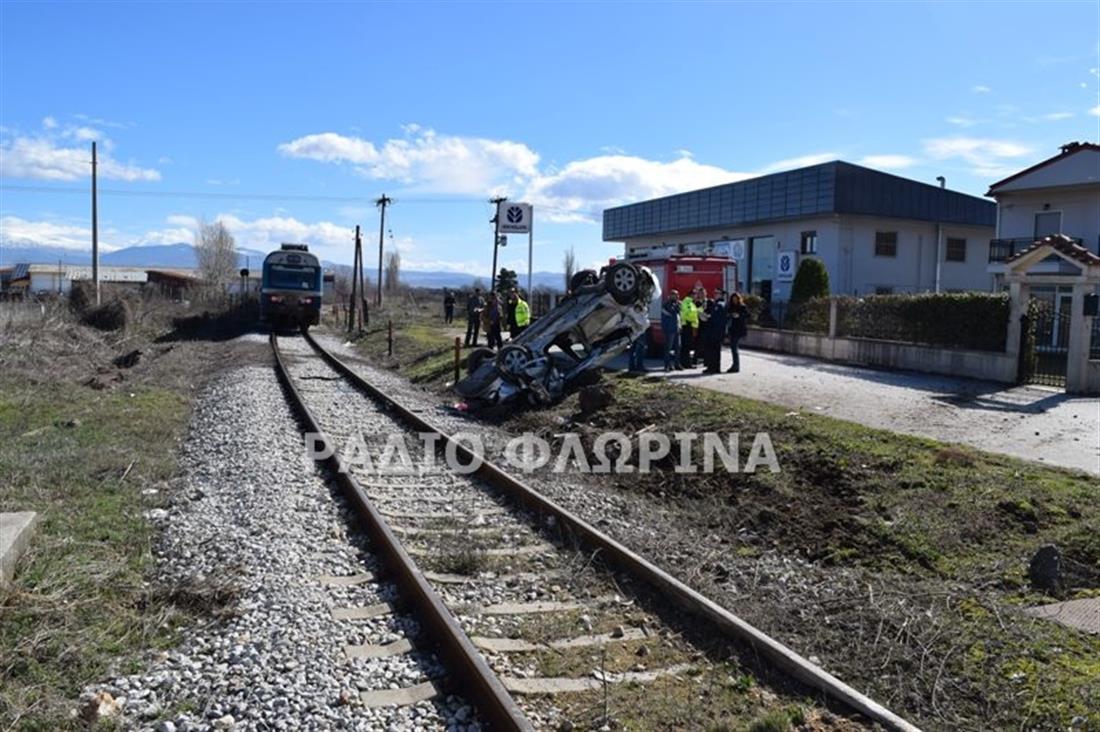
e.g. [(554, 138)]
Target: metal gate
[(1045, 342)]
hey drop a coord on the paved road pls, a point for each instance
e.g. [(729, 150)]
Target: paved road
[(1026, 422)]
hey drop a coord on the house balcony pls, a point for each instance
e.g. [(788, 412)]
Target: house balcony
[(1002, 249)]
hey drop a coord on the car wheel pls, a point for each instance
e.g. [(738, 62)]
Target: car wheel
[(584, 278), (477, 357), (512, 360), (622, 282)]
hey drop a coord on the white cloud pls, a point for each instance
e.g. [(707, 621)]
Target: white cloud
[(962, 121), (183, 220), (583, 188), (16, 231), (800, 162), (50, 156), (1095, 111), (424, 159), (987, 157), (888, 162), (99, 121), (980, 89), (324, 237), (1056, 116)]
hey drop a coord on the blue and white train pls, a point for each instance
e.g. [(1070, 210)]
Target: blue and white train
[(291, 289)]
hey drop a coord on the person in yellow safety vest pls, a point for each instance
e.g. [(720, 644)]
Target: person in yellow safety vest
[(523, 315), (689, 325)]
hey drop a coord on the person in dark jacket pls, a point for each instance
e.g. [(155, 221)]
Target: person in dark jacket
[(714, 330), (738, 316), (474, 305), (496, 319), (448, 306), (670, 328)]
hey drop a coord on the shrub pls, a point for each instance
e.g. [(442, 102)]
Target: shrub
[(113, 315), (972, 320), (810, 317), (811, 281), (755, 305)]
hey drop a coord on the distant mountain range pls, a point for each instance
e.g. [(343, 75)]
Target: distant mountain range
[(170, 256), (182, 256)]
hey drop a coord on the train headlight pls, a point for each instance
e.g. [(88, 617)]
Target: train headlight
[(307, 300), (275, 298)]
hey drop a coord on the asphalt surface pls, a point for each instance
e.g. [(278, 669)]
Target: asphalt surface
[(1033, 423)]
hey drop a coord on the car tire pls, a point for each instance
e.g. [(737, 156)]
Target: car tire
[(477, 357), (622, 280), (511, 360), (584, 278)]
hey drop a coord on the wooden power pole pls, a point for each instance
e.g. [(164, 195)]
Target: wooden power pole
[(354, 278), (496, 201), (95, 230), (381, 203)]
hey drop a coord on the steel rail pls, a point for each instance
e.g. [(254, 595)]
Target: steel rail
[(467, 667), (634, 564)]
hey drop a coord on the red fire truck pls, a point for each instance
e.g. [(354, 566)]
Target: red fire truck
[(683, 273)]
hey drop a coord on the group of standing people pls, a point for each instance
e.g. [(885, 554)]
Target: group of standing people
[(491, 315), (695, 326)]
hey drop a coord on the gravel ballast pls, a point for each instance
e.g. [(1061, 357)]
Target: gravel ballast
[(252, 519)]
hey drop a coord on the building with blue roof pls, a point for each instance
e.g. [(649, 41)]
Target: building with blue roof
[(875, 232)]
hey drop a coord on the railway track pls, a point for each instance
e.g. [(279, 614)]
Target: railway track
[(535, 615)]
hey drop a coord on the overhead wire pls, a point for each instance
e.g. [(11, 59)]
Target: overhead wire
[(275, 197)]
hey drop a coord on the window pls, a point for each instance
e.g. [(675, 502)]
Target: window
[(884, 290), (809, 242), (282, 277), (1048, 222), (956, 250), (886, 243)]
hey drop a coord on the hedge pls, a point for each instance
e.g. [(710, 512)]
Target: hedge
[(971, 320)]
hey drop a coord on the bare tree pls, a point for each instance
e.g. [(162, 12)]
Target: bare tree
[(216, 252), (391, 278), (570, 265)]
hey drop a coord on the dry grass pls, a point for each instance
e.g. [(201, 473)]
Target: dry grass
[(85, 604)]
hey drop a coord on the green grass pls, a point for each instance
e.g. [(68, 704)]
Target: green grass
[(81, 608), (957, 526), (950, 527)]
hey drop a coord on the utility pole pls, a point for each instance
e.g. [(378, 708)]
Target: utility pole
[(381, 203), (496, 201), (354, 278), (95, 230)]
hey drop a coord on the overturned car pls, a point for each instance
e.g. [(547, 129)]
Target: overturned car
[(598, 319)]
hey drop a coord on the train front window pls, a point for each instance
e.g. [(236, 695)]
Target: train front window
[(293, 278)]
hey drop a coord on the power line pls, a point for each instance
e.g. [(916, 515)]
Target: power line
[(15, 187)]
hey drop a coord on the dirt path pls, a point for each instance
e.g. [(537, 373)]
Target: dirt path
[(1025, 422)]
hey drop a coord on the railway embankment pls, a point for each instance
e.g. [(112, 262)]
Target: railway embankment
[(902, 564)]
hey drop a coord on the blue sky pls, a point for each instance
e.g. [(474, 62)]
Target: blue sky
[(573, 106)]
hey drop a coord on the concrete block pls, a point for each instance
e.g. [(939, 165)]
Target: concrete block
[(16, 530)]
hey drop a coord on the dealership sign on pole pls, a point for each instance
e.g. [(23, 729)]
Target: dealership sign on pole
[(786, 263), (514, 218)]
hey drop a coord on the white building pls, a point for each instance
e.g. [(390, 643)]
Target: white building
[(874, 232), (37, 279), (1059, 195)]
